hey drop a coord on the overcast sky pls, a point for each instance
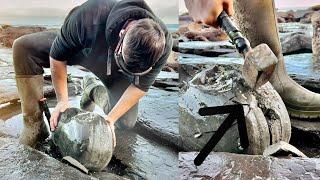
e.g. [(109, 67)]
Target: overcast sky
[(166, 9)]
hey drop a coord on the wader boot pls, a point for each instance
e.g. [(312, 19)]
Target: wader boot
[(257, 21), (94, 93), (30, 89)]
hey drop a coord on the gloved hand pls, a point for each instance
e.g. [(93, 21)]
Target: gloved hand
[(207, 11)]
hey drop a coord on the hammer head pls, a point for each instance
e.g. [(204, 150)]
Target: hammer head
[(259, 65)]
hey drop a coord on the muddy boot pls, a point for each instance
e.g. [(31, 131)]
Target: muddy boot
[(30, 88), (94, 93), (257, 20)]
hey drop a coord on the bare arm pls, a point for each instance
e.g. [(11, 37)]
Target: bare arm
[(59, 80), (130, 97)]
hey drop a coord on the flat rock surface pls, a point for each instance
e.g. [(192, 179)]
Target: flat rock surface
[(294, 43), (145, 159), (205, 48), (235, 166), (21, 162), (159, 115)]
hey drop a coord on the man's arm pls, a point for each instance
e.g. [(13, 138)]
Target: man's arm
[(59, 80), (129, 98)]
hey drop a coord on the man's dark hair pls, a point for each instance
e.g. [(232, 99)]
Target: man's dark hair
[(144, 44)]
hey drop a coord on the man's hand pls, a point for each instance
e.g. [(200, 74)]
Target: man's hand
[(111, 125), (207, 11), (61, 107), (59, 80), (129, 98)]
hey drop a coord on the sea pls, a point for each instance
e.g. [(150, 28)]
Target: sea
[(49, 22)]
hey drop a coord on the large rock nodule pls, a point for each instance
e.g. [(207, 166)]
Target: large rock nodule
[(9, 33), (85, 137), (267, 119)]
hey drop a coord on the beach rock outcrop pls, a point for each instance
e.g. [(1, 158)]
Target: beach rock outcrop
[(237, 166), (295, 43), (18, 161), (302, 16), (210, 49), (198, 32), (9, 33)]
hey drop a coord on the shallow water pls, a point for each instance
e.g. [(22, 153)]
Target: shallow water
[(300, 64), (295, 27), (6, 54)]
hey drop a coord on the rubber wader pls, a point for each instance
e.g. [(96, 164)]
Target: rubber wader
[(95, 93), (258, 22), (30, 89)]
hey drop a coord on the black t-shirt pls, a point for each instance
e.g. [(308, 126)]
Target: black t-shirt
[(93, 29)]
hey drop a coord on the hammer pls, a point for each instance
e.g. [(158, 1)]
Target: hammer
[(259, 62)]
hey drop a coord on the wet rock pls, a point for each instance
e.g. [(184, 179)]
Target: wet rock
[(159, 117), (283, 149), (108, 176), (172, 62), (287, 16), (232, 55), (306, 137), (3, 63), (145, 158), (6, 72), (267, 119), (316, 37), (167, 80), (311, 83), (295, 43), (306, 132), (302, 16), (9, 33), (212, 49), (85, 137), (9, 92), (315, 8), (198, 32), (21, 162), (281, 19), (235, 166)]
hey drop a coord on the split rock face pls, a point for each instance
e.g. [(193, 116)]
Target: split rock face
[(85, 137), (267, 119)]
